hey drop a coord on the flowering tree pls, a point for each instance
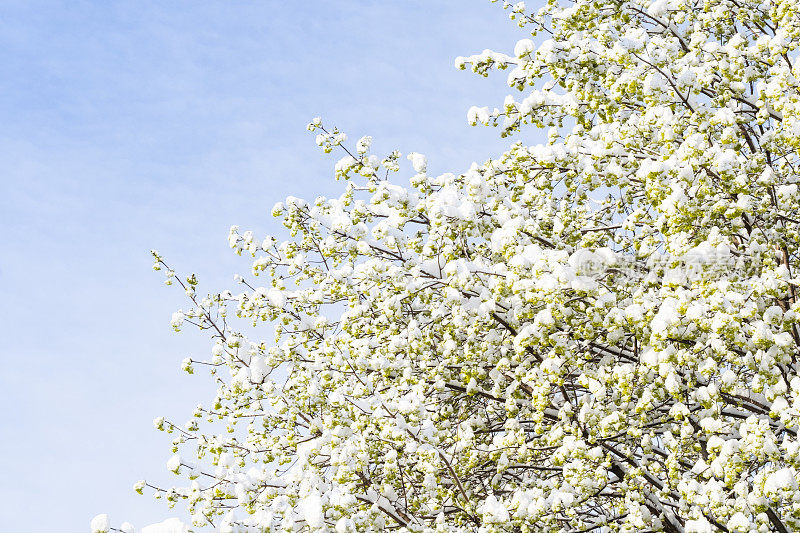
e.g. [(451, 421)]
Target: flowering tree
[(595, 334)]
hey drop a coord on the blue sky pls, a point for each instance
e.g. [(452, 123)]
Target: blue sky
[(126, 126)]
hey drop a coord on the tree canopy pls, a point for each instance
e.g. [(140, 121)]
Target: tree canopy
[(598, 333)]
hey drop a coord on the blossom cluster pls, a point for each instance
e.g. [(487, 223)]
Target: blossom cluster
[(521, 347)]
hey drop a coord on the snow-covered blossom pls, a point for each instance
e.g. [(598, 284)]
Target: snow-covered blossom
[(595, 333), (419, 162), (100, 524), (174, 463)]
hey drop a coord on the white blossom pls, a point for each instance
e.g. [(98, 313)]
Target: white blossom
[(595, 333), (100, 524)]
